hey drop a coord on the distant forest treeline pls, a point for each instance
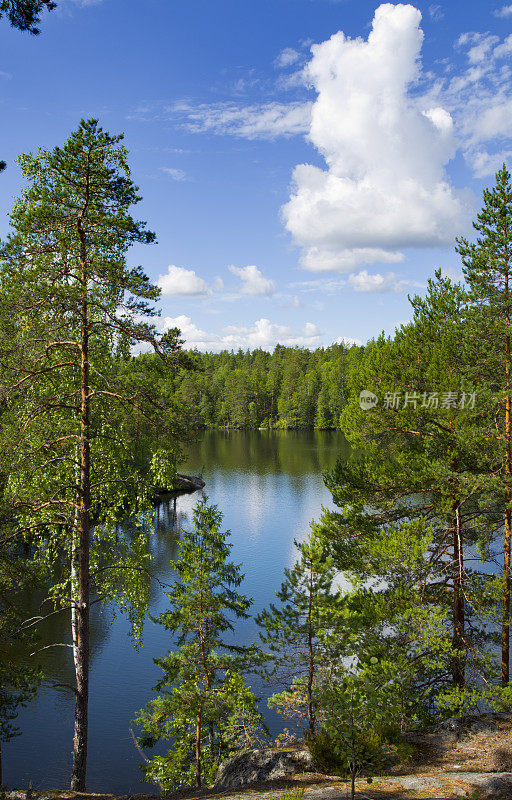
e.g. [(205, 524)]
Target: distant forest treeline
[(290, 388)]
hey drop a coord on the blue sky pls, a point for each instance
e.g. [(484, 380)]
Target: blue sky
[(305, 163)]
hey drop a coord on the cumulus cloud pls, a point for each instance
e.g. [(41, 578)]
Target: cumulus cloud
[(264, 121), (384, 187), (364, 282), (262, 333), (253, 281), (181, 281)]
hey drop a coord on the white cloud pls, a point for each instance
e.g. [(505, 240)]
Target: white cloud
[(262, 333), (348, 341), (264, 121), (176, 174), (322, 259), (253, 281), (287, 57), (364, 282), (385, 186), (323, 285), (6, 75), (482, 45), (479, 99), (181, 281), (504, 11)]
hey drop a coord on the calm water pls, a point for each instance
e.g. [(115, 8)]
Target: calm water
[(269, 487)]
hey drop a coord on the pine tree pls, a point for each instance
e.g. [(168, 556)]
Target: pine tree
[(488, 272), (204, 705), (299, 632), (424, 457), (70, 309)]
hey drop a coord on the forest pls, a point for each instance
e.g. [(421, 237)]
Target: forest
[(289, 388), (397, 610)]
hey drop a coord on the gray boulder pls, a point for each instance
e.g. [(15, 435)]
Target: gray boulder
[(255, 766)]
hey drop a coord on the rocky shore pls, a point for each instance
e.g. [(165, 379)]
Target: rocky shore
[(468, 757)]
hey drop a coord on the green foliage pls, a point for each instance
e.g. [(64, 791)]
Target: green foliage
[(303, 631), (359, 723), (417, 499), (204, 707), (289, 388), (85, 433), (80, 196), (25, 14)]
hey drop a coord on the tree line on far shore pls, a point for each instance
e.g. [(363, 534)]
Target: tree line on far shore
[(290, 388)]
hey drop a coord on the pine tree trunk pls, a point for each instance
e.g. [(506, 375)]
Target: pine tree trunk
[(311, 670), (198, 749), (73, 583), (353, 763), (458, 669), (78, 775), (505, 636)]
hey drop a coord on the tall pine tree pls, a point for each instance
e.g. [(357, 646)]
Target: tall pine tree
[(70, 310), (488, 272)]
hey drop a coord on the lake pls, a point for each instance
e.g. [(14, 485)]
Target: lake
[(268, 486)]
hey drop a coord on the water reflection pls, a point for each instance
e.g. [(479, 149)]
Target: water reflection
[(268, 486)]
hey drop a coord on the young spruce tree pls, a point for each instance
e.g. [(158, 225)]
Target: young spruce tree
[(204, 705)]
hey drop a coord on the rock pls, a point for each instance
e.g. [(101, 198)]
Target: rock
[(183, 484), (255, 766), (419, 783), (449, 733), (189, 483), (492, 786)]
